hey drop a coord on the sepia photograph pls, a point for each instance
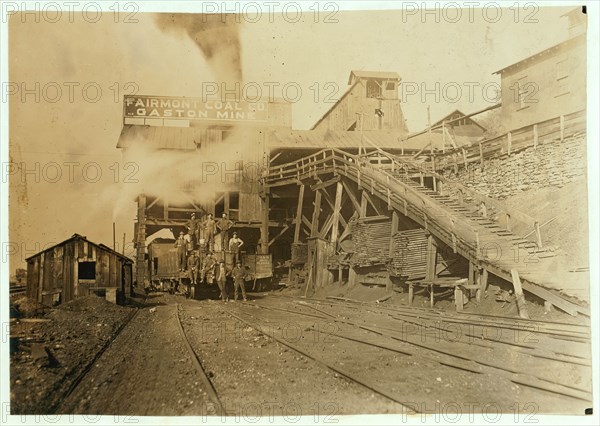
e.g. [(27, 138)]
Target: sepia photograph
[(299, 212)]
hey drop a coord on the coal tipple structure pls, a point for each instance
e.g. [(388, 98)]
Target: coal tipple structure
[(356, 199)]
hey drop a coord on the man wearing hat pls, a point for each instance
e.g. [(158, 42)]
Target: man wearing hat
[(234, 247), (208, 268), (193, 265), (181, 245), (209, 232), (192, 226), (224, 225), (239, 275)]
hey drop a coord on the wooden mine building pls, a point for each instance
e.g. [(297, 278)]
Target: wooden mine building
[(78, 267)]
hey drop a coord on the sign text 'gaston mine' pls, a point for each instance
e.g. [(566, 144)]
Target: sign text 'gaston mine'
[(194, 108)]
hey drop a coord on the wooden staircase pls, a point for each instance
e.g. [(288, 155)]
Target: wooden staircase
[(472, 224)]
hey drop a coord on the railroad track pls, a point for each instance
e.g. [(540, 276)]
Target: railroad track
[(88, 367), (207, 384), (320, 361), (451, 358), (565, 331)]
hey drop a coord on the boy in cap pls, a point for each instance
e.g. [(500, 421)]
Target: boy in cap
[(234, 247), (192, 226)]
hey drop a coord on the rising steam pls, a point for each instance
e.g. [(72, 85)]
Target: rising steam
[(217, 36)]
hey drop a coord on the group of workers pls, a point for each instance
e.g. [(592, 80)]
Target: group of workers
[(201, 235), (200, 239), (209, 270)]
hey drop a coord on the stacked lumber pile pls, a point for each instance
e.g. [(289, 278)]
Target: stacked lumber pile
[(410, 254), (371, 238)]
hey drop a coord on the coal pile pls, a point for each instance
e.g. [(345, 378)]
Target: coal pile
[(50, 351)]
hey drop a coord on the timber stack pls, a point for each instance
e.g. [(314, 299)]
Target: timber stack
[(410, 254)]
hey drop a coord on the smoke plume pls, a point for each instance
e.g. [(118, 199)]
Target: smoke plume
[(217, 37)]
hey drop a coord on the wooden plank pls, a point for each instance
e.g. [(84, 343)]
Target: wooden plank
[(363, 204), (519, 294), (316, 212), (336, 213), (559, 302), (298, 222)]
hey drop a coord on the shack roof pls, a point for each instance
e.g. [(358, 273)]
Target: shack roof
[(81, 237), (311, 139), (356, 74)]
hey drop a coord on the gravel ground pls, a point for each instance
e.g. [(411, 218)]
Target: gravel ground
[(48, 354)]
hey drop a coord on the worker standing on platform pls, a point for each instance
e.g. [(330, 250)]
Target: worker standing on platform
[(193, 265), (239, 276), (224, 225), (208, 268), (222, 281), (209, 232), (234, 247), (192, 226), (181, 245)]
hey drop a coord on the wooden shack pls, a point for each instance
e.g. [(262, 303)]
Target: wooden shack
[(78, 267)]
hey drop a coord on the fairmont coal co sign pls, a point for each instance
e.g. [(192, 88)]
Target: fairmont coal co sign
[(194, 108)]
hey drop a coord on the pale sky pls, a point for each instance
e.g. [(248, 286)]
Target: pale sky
[(139, 55)]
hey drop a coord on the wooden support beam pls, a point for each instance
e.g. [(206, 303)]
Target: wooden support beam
[(326, 227), (322, 185), (336, 212), (165, 208), (298, 222), (378, 212), (352, 279), (264, 226), (306, 222), (226, 203), (562, 128), (279, 234), (156, 200), (352, 195), (483, 279), (316, 212), (393, 231), (430, 273), (363, 204), (519, 294)]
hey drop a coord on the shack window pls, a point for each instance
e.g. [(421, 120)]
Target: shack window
[(87, 271), (373, 89), (390, 85)]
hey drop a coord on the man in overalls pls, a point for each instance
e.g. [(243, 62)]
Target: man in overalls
[(234, 247), (224, 225), (181, 245)]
